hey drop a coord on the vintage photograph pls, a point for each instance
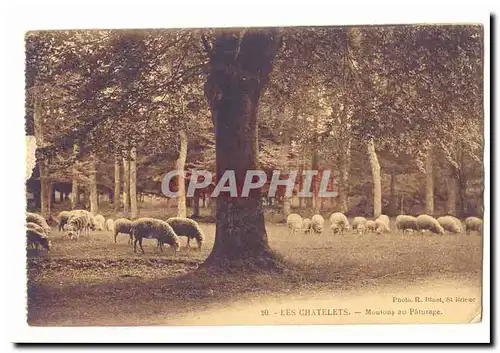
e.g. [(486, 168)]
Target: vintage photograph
[(255, 176)]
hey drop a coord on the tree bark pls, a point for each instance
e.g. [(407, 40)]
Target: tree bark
[(462, 185), (133, 183), (45, 187), (180, 164), (429, 183), (94, 203), (75, 193), (239, 70), (126, 185), (393, 206), (452, 195), (377, 183), (116, 197), (196, 204)]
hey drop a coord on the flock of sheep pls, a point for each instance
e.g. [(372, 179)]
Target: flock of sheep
[(339, 223), (77, 222)]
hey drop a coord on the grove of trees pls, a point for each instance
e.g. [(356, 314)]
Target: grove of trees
[(395, 112)]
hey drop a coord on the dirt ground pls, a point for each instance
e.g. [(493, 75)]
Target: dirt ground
[(94, 281)]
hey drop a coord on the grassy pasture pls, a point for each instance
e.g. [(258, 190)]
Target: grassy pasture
[(93, 280)]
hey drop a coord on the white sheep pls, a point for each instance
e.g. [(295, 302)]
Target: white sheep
[(450, 224), (338, 222), (359, 224), (110, 225), (99, 222), (294, 222), (188, 228), (317, 223), (426, 222), (151, 228), (306, 225), (384, 219), (405, 223), (38, 219), (123, 225), (473, 224)]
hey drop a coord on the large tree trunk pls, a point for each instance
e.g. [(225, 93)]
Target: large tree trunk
[(377, 183), (429, 183), (133, 183), (180, 164), (94, 203), (239, 70), (126, 185), (116, 197)]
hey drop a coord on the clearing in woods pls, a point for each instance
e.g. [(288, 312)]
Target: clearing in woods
[(97, 282)]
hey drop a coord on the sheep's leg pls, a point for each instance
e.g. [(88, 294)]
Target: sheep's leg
[(140, 244), (188, 246), (135, 244), (116, 234)]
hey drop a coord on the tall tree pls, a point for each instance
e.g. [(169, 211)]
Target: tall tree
[(239, 68), (133, 183)]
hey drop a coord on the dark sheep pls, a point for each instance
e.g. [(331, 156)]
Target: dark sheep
[(152, 228), (188, 228)]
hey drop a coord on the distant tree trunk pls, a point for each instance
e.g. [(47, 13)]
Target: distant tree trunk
[(345, 161), (315, 180), (429, 183), (452, 196), (240, 65), (45, 186), (180, 164), (393, 206), (94, 199), (196, 204), (75, 192), (377, 183), (133, 183), (61, 197), (116, 197), (462, 185), (126, 185)]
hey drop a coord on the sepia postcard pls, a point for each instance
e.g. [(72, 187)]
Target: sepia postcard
[(255, 175)]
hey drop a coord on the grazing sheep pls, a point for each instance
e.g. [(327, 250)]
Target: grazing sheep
[(317, 223), (405, 223), (110, 224), (450, 224), (359, 224), (152, 228), (473, 224), (426, 222), (99, 221), (371, 226), (35, 235), (38, 219), (381, 226), (78, 222), (123, 225), (62, 219), (306, 225), (383, 218), (338, 222), (294, 222), (188, 228)]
